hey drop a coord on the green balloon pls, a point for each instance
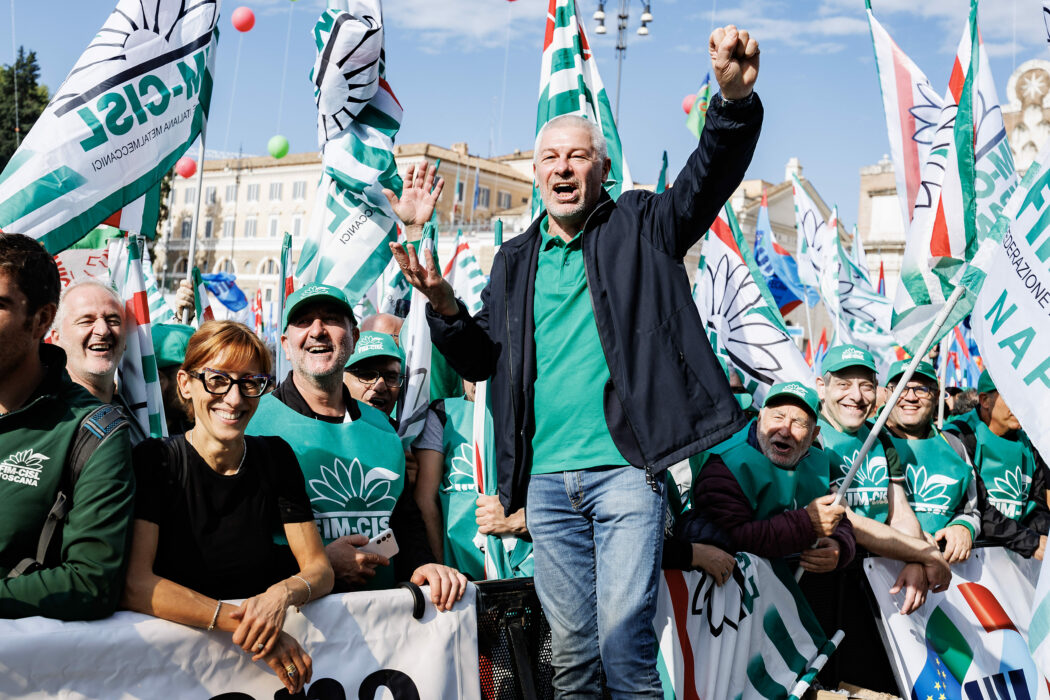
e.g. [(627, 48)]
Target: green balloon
[(277, 146)]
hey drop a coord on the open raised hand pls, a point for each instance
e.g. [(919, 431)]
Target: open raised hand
[(418, 197)]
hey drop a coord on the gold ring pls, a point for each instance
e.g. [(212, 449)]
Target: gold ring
[(291, 669)]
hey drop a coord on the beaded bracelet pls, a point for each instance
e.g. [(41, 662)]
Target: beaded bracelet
[(309, 592)]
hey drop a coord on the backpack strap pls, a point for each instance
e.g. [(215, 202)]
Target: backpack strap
[(93, 431)]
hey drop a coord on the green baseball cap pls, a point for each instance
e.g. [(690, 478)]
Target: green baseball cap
[(795, 392), (311, 294), (843, 356), (373, 344), (169, 343), (985, 384), (924, 369)]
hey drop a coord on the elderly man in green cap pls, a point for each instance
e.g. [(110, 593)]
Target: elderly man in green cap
[(375, 372), (941, 486), (169, 347), (349, 453), (1012, 477), (767, 490)]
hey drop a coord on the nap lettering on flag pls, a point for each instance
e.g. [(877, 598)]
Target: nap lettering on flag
[(968, 174), (570, 84), (135, 100), (358, 117), (743, 324)]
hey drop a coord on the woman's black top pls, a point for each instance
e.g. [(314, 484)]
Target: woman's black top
[(222, 536)]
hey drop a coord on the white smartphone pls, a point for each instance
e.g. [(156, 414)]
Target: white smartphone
[(383, 544)]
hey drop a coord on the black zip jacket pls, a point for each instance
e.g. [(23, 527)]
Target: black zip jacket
[(667, 397)]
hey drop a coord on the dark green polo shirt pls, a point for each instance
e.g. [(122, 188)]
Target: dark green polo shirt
[(571, 371)]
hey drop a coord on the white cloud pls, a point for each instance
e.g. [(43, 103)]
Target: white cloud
[(777, 23), (465, 24)]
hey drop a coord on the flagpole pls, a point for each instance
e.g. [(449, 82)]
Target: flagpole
[(805, 303), (941, 381), (196, 217), (884, 415)]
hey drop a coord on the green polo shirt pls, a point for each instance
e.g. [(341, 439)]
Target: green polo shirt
[(571, 371)]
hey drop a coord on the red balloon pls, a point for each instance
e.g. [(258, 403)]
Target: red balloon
[(243, 19), (186, 166), (687, 103)]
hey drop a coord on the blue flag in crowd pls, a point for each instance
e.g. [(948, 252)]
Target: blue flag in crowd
[(224, 287), (778, 267)]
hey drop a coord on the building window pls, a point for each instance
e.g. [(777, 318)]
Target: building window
[(483, 198), (180, 266), (208, 226), (253, 193), (187, 228), (297, 224), (299, 190), (249, 227), (503, 200), (209, 195), (271, 267), (276, 189), (268, 294), (227, 227), (247, 266), (225, 265), (190, 196), (231, 193), (461, 187), (273, 226)]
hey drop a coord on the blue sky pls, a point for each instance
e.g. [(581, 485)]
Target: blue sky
[(447, 60)]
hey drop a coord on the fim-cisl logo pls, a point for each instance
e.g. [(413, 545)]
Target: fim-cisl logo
[(23, 467), (348, 500)]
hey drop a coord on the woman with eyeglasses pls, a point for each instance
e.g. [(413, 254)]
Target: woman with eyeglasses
[(221, 517)]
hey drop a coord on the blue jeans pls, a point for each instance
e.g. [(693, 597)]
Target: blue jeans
[(598, 540)]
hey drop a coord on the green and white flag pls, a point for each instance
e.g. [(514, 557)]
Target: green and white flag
[(414, 400), (133, 103), (201, 304), (464, 273), (753, 637), (159, 309), (743, 323), (358, 117), (968, 176), (137, 372), (811, 235), (570, 84), (1009, 319)]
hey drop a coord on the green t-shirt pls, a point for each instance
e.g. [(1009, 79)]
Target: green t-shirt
[(1006, 466), (571, 371)]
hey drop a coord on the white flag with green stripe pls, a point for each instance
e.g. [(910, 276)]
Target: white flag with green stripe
[(358, 117), (753, 637), (131, 106), (415, 339), (160, 310), (464, 273), (138, 380), (570, 84), (966, 180)]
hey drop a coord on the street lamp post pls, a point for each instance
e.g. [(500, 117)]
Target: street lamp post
[(621, 36)]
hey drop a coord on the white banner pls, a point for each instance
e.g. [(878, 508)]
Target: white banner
[(359, 642), (971, 641), (753, 637)]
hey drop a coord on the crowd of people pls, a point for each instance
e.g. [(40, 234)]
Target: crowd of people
[(600, 377)]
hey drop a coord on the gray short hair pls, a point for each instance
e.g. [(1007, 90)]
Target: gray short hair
[(62, 306), (598, 143)]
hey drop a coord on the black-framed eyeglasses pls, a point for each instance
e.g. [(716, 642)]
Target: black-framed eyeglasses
[(218, 383), (921, 391), (368, 377)]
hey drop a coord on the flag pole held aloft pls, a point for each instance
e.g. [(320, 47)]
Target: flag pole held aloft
[(192, 260), (880, 422)]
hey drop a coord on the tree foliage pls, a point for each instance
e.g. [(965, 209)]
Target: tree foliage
[(32, 99)]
